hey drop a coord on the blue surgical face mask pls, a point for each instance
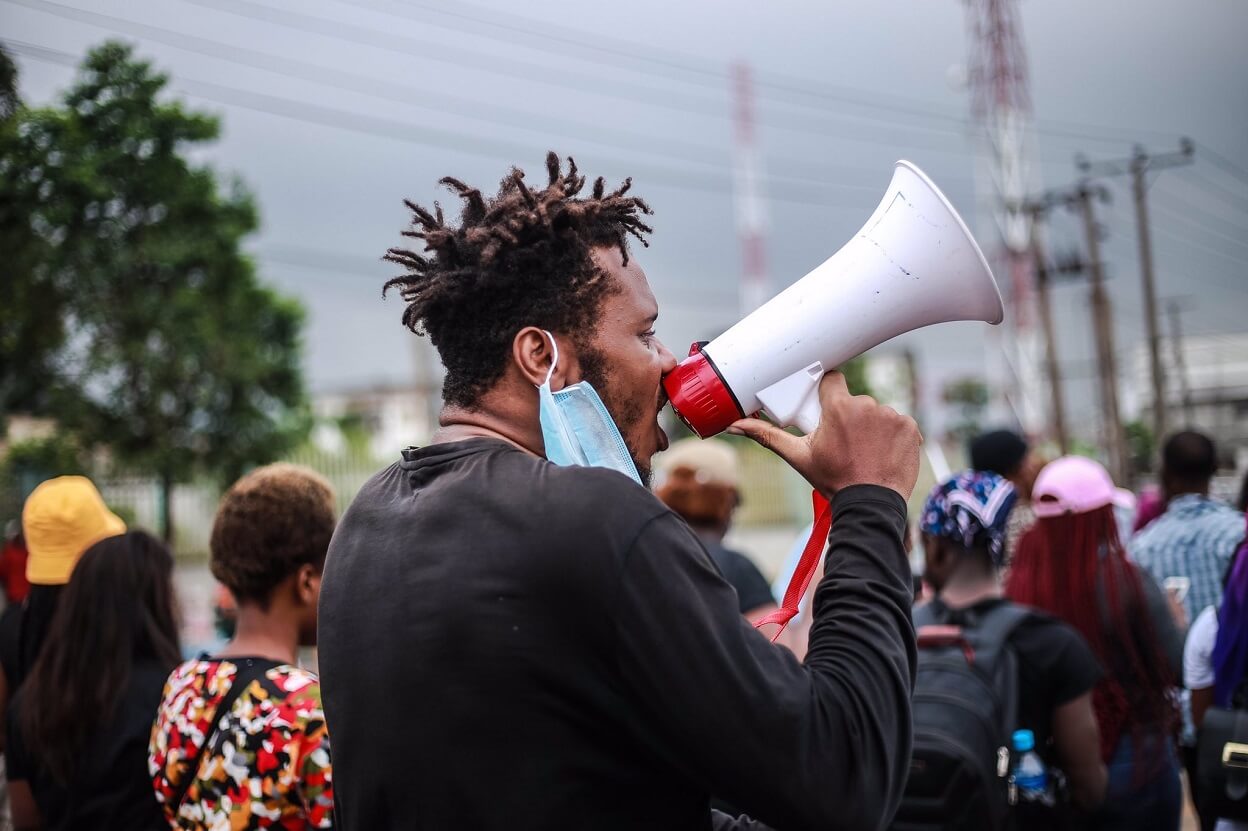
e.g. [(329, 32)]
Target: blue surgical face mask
[(577, 428)]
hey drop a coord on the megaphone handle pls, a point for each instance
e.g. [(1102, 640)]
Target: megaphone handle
[(794, 401), (808, 413)]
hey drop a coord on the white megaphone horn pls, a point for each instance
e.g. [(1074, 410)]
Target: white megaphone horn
[(914, 263)]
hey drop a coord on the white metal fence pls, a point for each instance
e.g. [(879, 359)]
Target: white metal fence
[(773, 495)]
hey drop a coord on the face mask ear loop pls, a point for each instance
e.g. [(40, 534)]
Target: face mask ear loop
[(554, 346)]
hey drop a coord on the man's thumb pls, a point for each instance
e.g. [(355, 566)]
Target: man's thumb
[(785, 445)]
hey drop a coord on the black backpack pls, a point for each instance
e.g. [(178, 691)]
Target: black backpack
[(1221, 786), (965, 712)]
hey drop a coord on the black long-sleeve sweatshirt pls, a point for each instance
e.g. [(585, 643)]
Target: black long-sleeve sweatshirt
[(505, 643)]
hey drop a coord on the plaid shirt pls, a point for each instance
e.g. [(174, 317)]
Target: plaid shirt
[(1194, 538)]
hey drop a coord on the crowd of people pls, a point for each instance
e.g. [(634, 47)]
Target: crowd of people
[(1112, 682), (515, 631), (108, 727)]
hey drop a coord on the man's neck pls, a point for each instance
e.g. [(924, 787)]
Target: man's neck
[(457, 424), (964, 590), (1201, 492), (263, 633)]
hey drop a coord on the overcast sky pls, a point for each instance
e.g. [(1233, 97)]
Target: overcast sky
[(335, 110)]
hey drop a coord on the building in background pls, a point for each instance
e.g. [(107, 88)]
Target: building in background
[(384, 417), (1206, 390)]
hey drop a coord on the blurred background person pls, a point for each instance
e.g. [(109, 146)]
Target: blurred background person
[(269, 765), (61, 518), (1150, 505), (13, 558), (78, 728), (1215, 665), (1072, 565), (1192, 540), (963, 526), (1008, 454), (700, 480), (1196, 535)]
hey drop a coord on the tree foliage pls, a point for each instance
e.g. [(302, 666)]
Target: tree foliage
[(137, 321), (970, 397)]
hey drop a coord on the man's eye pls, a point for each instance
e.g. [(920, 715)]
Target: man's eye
[(647, 336)]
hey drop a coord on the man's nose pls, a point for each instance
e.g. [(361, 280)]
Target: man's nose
[(669, 360)]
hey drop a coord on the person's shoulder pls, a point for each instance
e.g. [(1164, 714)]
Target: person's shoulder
[(1227, 519), (300, 688), (1158, 534), (1205, 626), (1041, 632), (596, 492)]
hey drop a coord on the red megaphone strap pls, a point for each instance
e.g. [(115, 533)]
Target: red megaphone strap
[(806, 564)]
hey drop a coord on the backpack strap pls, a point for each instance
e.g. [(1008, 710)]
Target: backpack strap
[(994, 627), (931, 613), (247, 670)]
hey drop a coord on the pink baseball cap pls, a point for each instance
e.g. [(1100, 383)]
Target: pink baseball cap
[(1075, 485)]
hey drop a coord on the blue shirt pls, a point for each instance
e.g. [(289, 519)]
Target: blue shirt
[(1194, 538)]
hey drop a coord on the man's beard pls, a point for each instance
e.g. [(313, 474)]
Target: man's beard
[(625, 413)]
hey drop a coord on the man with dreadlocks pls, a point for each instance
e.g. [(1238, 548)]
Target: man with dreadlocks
[(514, 633)]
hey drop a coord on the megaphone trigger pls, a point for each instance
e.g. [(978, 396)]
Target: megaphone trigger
[(794, 401)]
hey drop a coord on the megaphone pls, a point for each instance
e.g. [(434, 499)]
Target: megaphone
[(913, 264)]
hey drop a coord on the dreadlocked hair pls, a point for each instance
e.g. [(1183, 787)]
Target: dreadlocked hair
[(1075, 568), (520, 258)]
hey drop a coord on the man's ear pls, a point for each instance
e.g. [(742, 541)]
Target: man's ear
[(533, 353), (307, 580)]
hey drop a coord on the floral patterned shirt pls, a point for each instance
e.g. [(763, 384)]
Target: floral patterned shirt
[(268, 767)]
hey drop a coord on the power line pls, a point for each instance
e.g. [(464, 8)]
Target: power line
[(490, 147), (361, 268), (408, 46), (1223, 163), (641, 58), (1210, 186), (418, 96), (1193, 211), (1182, 219), (596, 47), (1241, 264)]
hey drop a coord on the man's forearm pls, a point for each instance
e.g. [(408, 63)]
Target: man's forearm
[(862, 651)]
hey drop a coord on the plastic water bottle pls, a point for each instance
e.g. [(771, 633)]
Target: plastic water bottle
[(1030, 776)]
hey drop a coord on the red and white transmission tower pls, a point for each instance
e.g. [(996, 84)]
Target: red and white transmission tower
[(1001, 107), (751, 208)]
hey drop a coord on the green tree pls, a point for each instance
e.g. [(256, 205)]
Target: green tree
[(1141, 444), (27, 463), (31, 302), (167, 350), (970, 397), (855, 371)]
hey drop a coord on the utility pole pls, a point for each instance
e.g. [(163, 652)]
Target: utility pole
[(1138, 166), (1103, 322), (747, 192), (1037, 211), (1180, 366), (1002, 114)]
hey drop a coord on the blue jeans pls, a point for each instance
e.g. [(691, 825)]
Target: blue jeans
[(1152, 804)]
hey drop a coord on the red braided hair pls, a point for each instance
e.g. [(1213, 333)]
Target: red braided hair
[(1059, 565)]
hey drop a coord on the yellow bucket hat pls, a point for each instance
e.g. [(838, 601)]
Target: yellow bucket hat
[(62, 518)]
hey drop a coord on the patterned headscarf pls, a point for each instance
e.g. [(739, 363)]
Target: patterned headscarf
[(970, 509)]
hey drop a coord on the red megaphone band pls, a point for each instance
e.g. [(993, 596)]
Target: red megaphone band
[(699, 395)]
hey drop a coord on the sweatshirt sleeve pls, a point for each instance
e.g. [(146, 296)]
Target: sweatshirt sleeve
[(815, 745)]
